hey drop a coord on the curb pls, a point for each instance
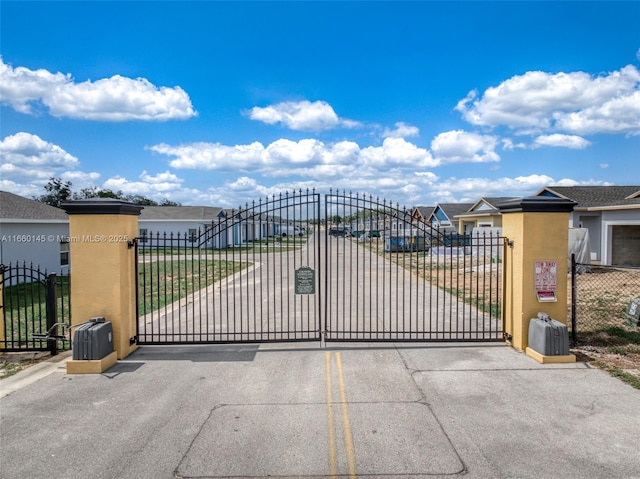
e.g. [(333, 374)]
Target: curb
[(34, 373)]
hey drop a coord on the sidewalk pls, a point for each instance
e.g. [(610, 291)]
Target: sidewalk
[(300, 410)]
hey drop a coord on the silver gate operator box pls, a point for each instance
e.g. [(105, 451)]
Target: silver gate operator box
[(93, 340), (548, 336)]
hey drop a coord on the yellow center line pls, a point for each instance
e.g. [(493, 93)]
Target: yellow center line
[(348, 438), (332, 435)]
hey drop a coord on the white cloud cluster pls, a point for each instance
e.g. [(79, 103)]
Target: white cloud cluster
[(286, 156), (24, 156), (402, 130), (564, 141), (110, 99), (147, 185), (577, 103), (464, 147), (301, 115)]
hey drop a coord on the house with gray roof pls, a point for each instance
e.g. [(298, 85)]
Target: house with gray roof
[(484, 213), (33, 232), (611, 214), (421, 213), (176, 221), (444, 216)]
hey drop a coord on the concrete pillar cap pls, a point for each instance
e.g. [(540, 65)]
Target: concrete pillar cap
[(101, 206), (537, 204)]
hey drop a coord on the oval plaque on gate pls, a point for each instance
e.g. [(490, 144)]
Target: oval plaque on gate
[(305, 281)]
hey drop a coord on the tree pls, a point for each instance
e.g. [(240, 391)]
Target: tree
[(57, 192)]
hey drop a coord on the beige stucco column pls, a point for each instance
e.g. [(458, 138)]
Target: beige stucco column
[(536, 262), (102, 260)]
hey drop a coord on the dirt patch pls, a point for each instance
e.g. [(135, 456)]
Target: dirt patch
[(605, 337), (13, 363)]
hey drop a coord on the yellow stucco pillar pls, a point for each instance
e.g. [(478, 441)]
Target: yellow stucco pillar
[(536, 262), (102, 261)]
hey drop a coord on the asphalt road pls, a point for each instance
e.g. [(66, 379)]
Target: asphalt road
[(303, 410)]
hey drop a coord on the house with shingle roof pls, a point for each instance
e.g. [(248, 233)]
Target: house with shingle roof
[(33, 232), (176, 221), (444, 216), (421, 213), (611, 214), (484, 213)]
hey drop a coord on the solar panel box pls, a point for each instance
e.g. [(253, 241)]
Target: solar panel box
[(93, 340), (548, 336)]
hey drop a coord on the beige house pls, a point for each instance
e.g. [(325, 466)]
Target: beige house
[(483, 214)]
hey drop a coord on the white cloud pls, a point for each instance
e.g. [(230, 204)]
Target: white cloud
[(464, 147), (396, 152), (287, 157), (469, 190), (109, 99), (212, 156), (574, 102), (28, 158), (301, 115), (618, 115), (148, 185), (565, 141), (402, 130)]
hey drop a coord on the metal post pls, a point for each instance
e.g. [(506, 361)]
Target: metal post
[(51, 311), (574, 291)]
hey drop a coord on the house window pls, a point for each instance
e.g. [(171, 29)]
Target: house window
[(192, 235), (64, 253), (142, 233)]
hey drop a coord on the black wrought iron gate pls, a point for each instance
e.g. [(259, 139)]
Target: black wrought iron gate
[(295, 268)]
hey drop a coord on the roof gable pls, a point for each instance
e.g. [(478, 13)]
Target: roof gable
[(447, 211)]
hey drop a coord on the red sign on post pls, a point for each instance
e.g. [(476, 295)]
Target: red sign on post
[(546, 279)]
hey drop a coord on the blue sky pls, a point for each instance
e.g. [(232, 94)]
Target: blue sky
[(219, 103)]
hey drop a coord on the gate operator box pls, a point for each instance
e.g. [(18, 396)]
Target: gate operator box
[(548, 336), (93, 340)]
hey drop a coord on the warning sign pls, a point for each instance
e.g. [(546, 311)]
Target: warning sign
[(546, 279)]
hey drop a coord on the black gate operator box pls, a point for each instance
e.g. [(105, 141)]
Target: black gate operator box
[(93, 340)]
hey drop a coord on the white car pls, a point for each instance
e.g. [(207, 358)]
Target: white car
[(290, 230)]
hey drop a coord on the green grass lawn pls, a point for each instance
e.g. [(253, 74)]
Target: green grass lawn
[(160, 283)]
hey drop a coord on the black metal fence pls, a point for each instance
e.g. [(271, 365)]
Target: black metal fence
[(34, 302), (601, 296)]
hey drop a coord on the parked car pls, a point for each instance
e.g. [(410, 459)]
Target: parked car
[(340, 231), (288, 230)]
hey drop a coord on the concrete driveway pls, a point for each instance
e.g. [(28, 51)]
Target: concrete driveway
[(304, 410)]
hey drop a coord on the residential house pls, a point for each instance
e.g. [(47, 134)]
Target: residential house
[(421, 213), (611, 214), (443, 217), (176, 221), (33, 232), (484, 213)]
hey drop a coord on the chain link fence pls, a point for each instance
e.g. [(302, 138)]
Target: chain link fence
[(601, 297)]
